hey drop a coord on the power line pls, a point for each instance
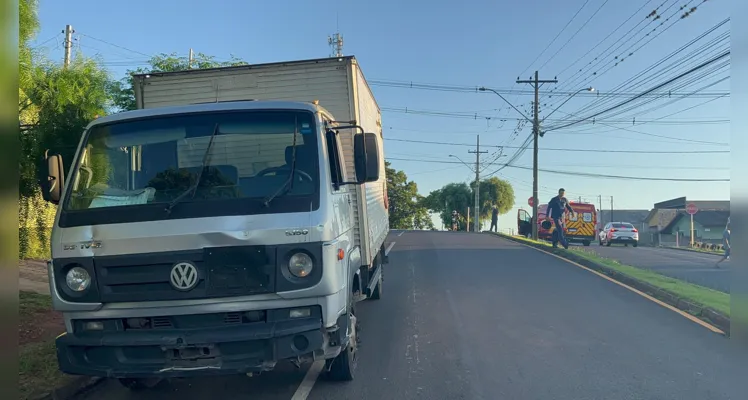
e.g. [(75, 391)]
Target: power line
[(656, 87), (575, 33), (652, 17), (582, 174), (685, 59), (478, 116), (555, 38), (568, 149), (46, 41), (506, 91), (606, 38), (116, 45)]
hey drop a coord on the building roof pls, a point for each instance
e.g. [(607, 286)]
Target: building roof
[(251, 66), (681, 202), (635, 217)]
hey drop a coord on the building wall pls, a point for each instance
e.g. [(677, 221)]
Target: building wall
[(701, 233)]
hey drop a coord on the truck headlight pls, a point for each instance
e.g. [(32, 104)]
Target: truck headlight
[(300, 265), (78, 279)]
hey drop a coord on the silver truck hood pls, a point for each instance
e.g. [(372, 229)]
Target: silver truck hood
[(188, 234)]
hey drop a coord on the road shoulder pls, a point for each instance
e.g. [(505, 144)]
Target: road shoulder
[(706, 304), (39, 375)]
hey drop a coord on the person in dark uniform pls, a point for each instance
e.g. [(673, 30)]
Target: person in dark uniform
[(495, 219), (556, 208)]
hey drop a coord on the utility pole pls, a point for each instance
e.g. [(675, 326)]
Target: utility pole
[(535, 133), (600, 203), (611, 209), (68, 44), (191, 59), (476, 209)]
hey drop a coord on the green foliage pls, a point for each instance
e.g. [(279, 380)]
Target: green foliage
[(495, 192), (35, 218), (460, 196), (406, 207), (67, 100), (121, 92), (28, 26)]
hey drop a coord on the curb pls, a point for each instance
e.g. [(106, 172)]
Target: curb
[(707, 314), (71, 389), (690, 250)]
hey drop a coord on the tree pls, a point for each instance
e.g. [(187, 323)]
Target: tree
[(495, 192), (55, 105), (66, 99), (122, 93), (406, 207), (452, 196), (460, 196), (28, 25)]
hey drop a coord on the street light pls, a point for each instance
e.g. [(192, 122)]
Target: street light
[(466, 164), (589, 89), (485, 89)]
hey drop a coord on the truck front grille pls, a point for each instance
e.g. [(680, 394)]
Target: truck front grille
[(222, 272)]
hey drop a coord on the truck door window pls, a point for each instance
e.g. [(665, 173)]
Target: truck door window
[(333, 157)]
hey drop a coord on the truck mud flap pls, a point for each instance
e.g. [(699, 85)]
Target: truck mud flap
[(386, 253), (373, 281)]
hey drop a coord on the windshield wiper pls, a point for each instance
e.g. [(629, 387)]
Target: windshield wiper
[(193, 189), (288, 184)]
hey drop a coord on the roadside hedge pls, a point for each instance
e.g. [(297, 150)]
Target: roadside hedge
[(35, 220)]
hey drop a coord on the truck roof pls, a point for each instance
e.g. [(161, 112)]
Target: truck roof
[(208, 107), (251, 66)]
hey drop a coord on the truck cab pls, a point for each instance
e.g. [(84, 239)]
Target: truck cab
[(210, 239)]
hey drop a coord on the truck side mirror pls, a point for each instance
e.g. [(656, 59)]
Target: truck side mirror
[(53, 182), (366, 157)]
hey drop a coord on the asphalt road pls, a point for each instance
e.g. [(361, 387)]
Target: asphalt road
[(471, 316), (690, 266)]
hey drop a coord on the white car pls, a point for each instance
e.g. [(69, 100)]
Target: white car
[(620, 233)]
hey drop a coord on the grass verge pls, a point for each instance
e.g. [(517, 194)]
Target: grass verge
[(38, 371), (700, 295)]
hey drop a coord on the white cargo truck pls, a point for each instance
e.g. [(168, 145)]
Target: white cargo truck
[(230, 223)]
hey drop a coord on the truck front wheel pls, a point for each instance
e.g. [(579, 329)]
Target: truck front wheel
[(343, 367)]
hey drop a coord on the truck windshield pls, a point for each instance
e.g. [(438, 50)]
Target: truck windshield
[(154, 160)]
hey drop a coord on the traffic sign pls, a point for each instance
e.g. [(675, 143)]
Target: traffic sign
[(529, 202), (691, 208)]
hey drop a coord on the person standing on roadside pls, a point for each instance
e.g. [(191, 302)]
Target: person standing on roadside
[(495, 219), (725, 243), (556, 208)]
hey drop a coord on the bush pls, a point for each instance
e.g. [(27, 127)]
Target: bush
[(35, 220)]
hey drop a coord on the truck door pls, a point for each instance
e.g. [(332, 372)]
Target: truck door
[(524, 223)]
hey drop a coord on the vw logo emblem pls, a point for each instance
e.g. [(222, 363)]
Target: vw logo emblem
[(183, 276)]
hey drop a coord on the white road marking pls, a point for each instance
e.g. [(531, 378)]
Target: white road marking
[(387, 251), (400, 234), (302, 392)]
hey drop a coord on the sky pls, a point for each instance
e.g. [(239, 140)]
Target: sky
[(436, 45)]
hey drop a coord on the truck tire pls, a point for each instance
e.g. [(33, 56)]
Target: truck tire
[(586, 243), (343, 367), (137, 385)]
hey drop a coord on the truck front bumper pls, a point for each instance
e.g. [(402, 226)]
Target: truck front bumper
[(248, 347)]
